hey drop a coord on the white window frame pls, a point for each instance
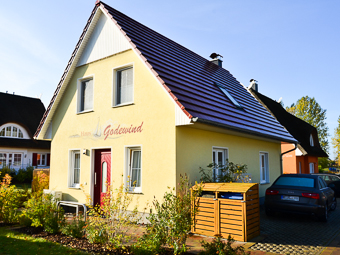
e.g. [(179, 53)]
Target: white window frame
[(128, 168), (79, 88), (11, 164), (23, 131), (39, 163), (71, 183), (115, 84), (225, 154), (311, 168), (264, 178)]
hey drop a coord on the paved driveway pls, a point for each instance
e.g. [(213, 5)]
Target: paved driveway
[(296, 234)]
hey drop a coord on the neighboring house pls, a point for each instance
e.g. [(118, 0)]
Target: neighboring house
[(303, 159), (19, 119), (136, 107)]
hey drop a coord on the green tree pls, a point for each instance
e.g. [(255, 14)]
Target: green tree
[(307, 109), (336, 141)]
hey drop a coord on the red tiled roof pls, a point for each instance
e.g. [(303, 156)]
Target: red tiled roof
[(190, 79)]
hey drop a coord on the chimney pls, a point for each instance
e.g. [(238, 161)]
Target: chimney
[(253, 85), (216, 59)]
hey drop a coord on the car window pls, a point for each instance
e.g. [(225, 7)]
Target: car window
[(295, 181), (322, 183), (325, 177), (334, 178)]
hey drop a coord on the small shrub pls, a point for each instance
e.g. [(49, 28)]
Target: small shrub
[(230, 172), (41, 211), (24, 175), (75, 228), (171, 222), (11, 199), (111, 222), (217, 246)]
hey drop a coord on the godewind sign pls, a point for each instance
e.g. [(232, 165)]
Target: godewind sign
[(110, 130)]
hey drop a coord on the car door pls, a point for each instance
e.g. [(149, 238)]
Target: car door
[(335, 184), (327, 192)]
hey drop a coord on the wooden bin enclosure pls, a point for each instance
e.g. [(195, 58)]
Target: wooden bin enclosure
[(228, 208)]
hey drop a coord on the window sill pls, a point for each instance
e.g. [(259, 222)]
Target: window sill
[(121, 105), (264, 183), (85, 111), (74, 187), (135, 192)]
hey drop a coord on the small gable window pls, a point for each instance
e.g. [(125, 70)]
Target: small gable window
[(11, 131), (85, 95), (124, 86), (231, 98), (311, 140)]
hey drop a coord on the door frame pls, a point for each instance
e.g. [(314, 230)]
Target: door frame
[(93, 164)]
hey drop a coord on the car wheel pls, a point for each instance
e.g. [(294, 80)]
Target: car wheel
[(324, 216), (269, 213), (334, 204)]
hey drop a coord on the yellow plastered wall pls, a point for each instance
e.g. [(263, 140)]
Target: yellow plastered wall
[(152, 106), (194, 150)]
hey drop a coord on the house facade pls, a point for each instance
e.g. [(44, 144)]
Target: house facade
[(19, 119), (135, 107), (303, 157)]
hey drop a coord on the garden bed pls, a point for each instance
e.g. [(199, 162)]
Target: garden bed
[(80, 244)]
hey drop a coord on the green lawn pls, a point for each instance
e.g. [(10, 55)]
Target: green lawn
[(16, 243)]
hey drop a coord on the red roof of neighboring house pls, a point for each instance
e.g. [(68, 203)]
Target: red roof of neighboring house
[(190, 79)]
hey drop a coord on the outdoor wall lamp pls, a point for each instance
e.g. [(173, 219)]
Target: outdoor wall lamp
[(86, 152)]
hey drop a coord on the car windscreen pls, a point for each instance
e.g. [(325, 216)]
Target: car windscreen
[(295, 181)]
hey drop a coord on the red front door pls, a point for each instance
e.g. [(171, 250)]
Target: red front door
[(102, 175)]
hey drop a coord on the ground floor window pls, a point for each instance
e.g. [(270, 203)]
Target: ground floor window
[(219, 158), (264, 168), (134, 169), (74, 171), (311, 168), (12, 160)]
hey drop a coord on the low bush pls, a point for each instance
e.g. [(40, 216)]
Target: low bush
[(217, 246), (11, 199), (172, 220), (41, 211), (230, 172), (75, 228), (111, 222)]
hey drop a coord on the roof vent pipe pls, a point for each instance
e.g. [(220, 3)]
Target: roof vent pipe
[(253, 85), (216, 59)]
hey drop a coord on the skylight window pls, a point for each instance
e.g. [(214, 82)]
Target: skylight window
[(225, 91)]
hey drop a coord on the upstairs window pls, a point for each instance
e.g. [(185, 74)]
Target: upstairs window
[(11, 131), (124, 86), (231, 98), (85, 95)]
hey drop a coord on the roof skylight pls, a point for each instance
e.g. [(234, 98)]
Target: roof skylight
[(225, 91)]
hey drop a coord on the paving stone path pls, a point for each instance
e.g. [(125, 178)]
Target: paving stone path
[(296, 234)]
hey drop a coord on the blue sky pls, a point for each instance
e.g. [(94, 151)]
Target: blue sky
[(290, 47)]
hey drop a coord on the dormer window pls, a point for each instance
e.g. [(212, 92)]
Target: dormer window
[(311, 140), (12, 131), (225, 91)]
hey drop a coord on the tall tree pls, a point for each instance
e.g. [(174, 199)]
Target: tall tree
[(309, 110), (336, 141)]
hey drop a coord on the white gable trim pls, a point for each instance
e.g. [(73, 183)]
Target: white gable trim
[(105, 40)]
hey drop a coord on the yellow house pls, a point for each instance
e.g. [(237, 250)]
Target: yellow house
[(133, 104)]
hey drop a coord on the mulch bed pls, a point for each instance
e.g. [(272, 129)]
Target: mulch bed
[(79, 244)]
